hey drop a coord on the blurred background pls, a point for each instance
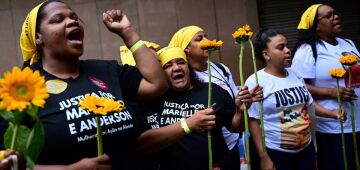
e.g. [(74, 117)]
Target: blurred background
[(158, 20)]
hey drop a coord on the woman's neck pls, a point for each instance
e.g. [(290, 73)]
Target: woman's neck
[(277, 72), (329, 39), (61, 68), (198, 66)]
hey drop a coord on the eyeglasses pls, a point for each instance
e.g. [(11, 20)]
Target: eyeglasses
[(330, 15)]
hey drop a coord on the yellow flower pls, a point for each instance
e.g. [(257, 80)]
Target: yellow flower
[(337, 72), (207, 44), (243, 33), (348, 60), (20, 88), (101, 105)]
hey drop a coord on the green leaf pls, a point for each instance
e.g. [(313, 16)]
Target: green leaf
[(9, 116), (32, 110), (20, 142), (19, 117), (29, 162), (35, 141)]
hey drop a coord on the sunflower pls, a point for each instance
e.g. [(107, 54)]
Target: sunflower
[(243, 33), (210, 45), (101, 105), (348, 60), (20, 88), (337, 72)]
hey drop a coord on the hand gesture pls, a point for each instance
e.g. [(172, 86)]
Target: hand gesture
[(266, 163), (243, 98), (202, 120), (257, 93), (9, 157), (339, 114), (346, 94), (116, 21), (99, 163)]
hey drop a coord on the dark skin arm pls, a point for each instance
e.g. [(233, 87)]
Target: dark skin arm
[(156, 139), (154, 82), (265, 160), (346, 94)]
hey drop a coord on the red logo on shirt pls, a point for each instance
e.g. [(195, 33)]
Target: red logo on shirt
[(99, 83)]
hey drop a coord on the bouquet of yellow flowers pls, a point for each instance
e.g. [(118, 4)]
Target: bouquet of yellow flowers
[(100, 106), (210, 46), (22, 92)]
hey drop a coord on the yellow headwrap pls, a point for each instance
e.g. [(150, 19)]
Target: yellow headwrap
[(307, 18), (27, 37), (183, 37), (126, 56), (169, 53)]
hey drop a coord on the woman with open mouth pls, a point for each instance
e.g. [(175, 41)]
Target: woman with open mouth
[(183, 118)]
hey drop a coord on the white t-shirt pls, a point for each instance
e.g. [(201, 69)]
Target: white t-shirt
[(328, 58), (285, 111), (228, 84)]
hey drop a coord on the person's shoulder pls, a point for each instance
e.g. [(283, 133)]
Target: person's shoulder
[(345, 41), (304, 47)]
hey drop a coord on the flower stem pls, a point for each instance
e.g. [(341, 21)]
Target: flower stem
[(353, 126), (209, 105), (341, 126), (99, 136), (261, 102), (245, 110), (15, 134)]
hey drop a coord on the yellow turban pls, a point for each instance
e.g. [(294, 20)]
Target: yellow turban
[(169, 53), (27, 37), (183, 37), (126, 56), (307, 18)]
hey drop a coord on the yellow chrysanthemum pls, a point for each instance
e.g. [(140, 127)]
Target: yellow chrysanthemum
[(101, 105), (207, 44), (243, 33), (337, 72), (20, 88), (348, 60)]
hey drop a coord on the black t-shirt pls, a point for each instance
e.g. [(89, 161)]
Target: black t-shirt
[(191, 151), (70, 132)]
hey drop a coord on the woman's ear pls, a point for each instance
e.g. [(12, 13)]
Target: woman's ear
[(265, 55), (187, 51), (38, 39)]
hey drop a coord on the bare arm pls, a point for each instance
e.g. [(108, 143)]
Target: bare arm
[(154, 82), (323, 112), (346, 94), (156, 139), (265, 161)]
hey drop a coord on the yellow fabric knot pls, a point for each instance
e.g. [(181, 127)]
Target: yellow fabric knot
[(183, 37), (27, 36), (307, 18)]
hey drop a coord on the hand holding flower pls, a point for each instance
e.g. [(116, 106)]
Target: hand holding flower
[(243, 98)]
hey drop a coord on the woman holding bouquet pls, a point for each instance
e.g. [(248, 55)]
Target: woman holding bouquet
[(286, 107), (318, 50), (52, 42)]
